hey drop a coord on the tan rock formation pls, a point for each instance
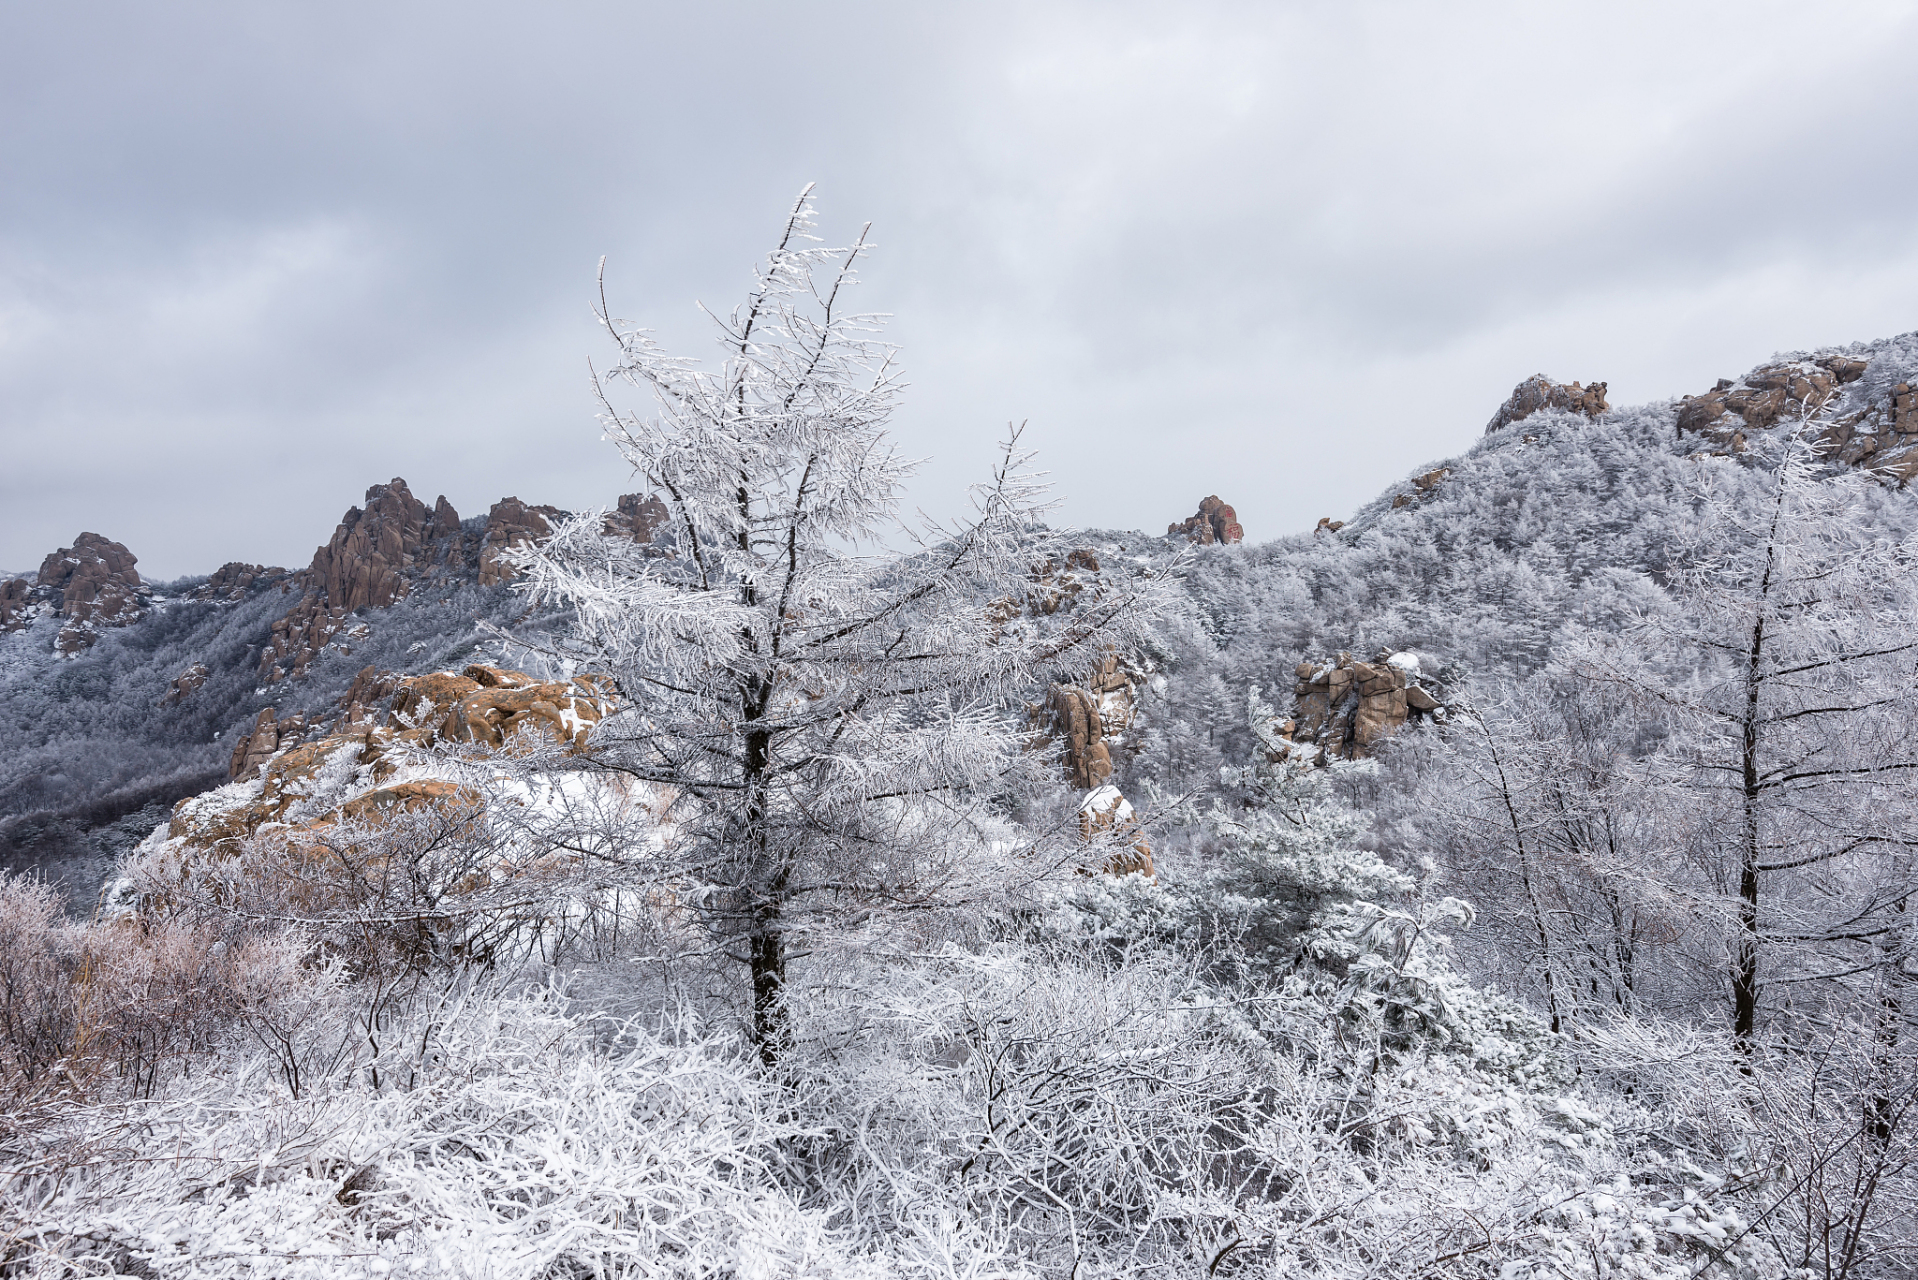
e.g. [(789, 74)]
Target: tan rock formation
[(511, 523), (97, 588), (1540, 392), (1345, 707), (1105, 814), (1085, 720), (482, 705), (1764, 397), (1216, 522), (1328, 525), (185, 685)]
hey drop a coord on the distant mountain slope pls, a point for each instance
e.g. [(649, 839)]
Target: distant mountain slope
[(1560, 518)]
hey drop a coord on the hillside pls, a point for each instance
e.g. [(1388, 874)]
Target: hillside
[(1508, 880), (1555, 522)]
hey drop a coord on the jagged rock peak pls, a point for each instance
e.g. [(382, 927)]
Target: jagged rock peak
[(1215, 522), (91, 584), (1540, 392), (366, 560)]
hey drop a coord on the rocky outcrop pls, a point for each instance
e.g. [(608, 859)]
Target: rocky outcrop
[(1216, 522), (1328, 525), (235, 581), (1421, 487), (638, 517), (1344, 708), (92, 585), (511, 523), (1540, 392), (185, 685), (268, 736), (1883, 435), (1106, 816), (482, 705), (14, 600), (1764, 397), (1084, 721)]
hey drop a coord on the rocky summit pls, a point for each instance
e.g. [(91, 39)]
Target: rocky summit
[(1215, 522), (89, 586)]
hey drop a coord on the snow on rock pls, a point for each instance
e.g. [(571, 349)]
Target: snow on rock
[(1539, 392), (1106, 816), (360, 769)]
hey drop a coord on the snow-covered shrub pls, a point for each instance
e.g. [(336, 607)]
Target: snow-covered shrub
[(532, 1144)]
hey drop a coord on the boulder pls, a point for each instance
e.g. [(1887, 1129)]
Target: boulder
[(185, 685), (1328, 525), (1216, 522), (1539, 392)]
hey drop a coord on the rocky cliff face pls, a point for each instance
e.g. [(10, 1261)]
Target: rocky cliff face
[(1540, 392), (1215, 522)]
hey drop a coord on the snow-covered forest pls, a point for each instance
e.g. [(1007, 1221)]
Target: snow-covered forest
[(803, 937)]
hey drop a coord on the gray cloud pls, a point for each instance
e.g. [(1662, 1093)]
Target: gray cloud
[(254, 258)]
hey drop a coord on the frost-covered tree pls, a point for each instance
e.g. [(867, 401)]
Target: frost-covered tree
[(1796, 622), (824, 713)]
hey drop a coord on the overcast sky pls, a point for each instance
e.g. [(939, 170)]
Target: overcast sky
[(255, 257)]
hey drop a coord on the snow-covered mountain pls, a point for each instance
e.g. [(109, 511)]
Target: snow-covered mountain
[(127, 696)]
